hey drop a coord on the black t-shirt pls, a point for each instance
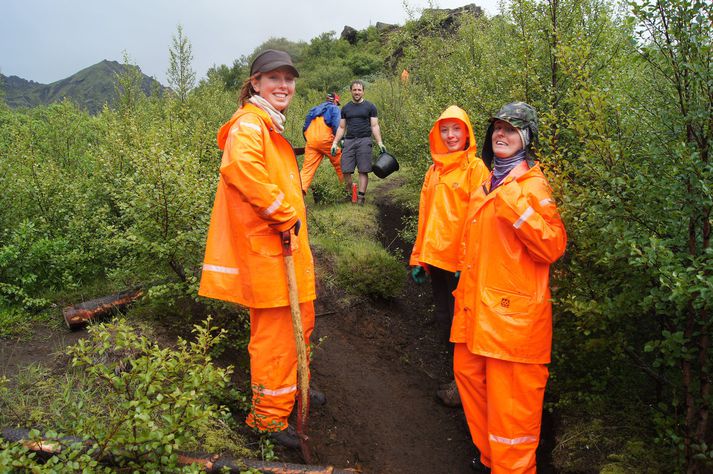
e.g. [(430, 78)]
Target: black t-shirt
[(358, 117)]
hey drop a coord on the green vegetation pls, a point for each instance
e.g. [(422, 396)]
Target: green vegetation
[(128, 399), (346, 236), (180, 75), (624, 97)]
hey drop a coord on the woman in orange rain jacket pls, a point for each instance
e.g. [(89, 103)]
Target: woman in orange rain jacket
[(258, 202), (444, 200), (502, 328)]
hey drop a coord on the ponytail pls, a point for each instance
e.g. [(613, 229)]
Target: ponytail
[(247, 91)]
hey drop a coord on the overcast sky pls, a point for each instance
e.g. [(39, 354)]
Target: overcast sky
[(48, 40)]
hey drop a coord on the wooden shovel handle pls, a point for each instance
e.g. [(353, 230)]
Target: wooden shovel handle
[(302, 365)]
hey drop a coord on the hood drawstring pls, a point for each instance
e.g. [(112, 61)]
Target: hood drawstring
[(278, 119)]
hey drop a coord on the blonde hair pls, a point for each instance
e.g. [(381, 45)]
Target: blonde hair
[(247, 91)]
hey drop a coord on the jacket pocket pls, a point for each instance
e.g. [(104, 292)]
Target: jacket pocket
[(506, 302), (267, 245)]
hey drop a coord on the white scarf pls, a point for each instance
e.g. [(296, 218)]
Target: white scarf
[(278, 120)]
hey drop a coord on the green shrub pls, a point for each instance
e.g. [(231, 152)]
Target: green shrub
[(365, 267), (326, 188), (18, 323), (14, 457), (138, 403)]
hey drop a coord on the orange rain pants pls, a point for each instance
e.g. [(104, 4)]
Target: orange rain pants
[(319, 143), (273, 364), (502, 401)]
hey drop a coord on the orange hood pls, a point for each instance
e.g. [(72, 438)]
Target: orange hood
[(439, 152)]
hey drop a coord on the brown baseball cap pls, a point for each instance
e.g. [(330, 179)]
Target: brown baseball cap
[(272, 59)]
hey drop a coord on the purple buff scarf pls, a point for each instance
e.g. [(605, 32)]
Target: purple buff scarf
[(503, 166)]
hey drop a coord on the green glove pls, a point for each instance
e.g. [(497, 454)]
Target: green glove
[(418, 274), (382, 148), (333, 150)]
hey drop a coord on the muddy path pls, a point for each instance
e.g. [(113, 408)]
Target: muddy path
[(380, 364)]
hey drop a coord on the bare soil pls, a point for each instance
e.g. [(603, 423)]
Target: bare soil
[(379, 364), (40, 348)]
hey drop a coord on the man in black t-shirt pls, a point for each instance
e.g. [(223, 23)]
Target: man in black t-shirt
[(359, 120)]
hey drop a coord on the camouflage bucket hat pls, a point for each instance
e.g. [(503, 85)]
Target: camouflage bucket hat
[(518, 114)]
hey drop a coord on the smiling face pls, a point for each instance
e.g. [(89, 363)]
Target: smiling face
[(506, 139), (453, 134), (357, 92), (276, 86)]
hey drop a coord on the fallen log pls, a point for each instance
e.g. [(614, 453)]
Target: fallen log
[(46, 448), (80, 314)]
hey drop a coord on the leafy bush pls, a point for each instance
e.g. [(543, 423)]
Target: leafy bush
[(326, 188), (366, 268), (73, 456), (136, 401), (347, 235)]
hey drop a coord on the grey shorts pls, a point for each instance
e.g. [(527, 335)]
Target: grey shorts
[(356, 152)]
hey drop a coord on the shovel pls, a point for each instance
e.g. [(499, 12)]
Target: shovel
[(302, 367)]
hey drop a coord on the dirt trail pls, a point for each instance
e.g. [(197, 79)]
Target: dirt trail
[(380, 366), (382, 415)]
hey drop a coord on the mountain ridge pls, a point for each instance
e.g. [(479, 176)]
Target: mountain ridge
[(90, 88)]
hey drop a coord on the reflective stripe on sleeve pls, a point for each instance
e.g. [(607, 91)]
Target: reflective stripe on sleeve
[(546, 201), (513, 441), (274, 206), (279, 391), (528, 212), (219, 269), (250, 125)]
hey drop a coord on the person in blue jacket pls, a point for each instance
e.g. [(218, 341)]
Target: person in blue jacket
[(320, 126)]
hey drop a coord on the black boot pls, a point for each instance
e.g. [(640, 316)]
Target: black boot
[(317, 398), (479, 467), (449, 395), (287, 438)]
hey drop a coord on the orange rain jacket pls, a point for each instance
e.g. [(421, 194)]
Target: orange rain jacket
[(511, 236), (259, 195), (444, 197)]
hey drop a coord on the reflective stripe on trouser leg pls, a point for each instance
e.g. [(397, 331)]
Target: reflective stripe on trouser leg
[(469, 371), (515, 393), (313, 157), (273, 364)]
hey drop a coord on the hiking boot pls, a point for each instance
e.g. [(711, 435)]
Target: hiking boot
[(287, 438), (317, 398), (360, 200), (449, 396), (479, 467)]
